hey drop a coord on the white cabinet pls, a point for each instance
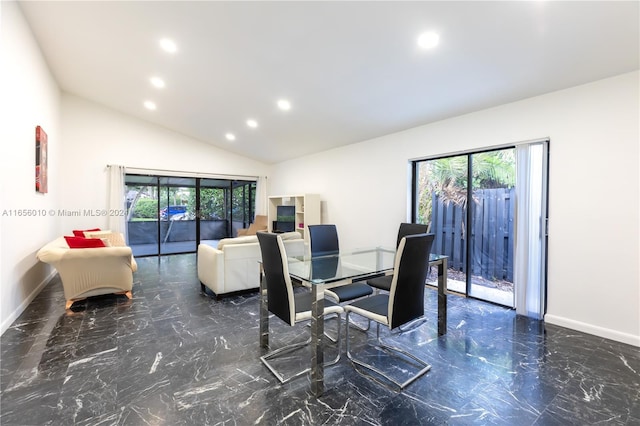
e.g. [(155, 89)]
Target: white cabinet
[(304, 208)]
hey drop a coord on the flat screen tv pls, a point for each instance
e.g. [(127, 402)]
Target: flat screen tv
[(285, 219)]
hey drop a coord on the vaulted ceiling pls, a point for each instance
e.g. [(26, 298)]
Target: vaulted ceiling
[(351, 71)]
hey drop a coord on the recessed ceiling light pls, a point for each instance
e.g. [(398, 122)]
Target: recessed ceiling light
[(252, 123), (150, 105), (428, 40), (157, 82), (230, 137), (284, 104), (168, 45)]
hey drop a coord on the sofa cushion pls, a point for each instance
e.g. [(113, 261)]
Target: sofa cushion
[(80, 233), (238, 240), (293, 235), (252, 239), (115, 239), (80, 243)]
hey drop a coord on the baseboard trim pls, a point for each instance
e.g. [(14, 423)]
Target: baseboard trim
[(20, 309), (607, 333)]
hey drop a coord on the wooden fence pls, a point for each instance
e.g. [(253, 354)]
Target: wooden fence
[(491, 233)]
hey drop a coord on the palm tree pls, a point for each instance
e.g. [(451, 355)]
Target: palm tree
[(447, 178), (494, 169)]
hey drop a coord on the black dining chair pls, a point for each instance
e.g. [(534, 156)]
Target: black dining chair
[(402, 305), (324, 242), (384, 282), (291, 307)]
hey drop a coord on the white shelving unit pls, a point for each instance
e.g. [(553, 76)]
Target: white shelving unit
[(307, 211)]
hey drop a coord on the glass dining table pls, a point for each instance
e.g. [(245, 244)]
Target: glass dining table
[(325, 272)]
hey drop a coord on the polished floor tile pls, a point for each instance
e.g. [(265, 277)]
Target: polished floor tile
[(173, 356)]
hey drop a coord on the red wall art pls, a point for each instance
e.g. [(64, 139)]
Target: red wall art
[(41, 161)]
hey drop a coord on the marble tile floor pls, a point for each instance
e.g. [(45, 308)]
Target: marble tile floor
[(172, 356)]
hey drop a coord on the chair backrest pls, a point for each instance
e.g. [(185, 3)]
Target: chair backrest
[(406, 296), (410, 229), (324, 240), (280, 299), (324, 267)]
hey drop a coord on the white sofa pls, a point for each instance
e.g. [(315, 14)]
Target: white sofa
[(90, 272), (233, 265)]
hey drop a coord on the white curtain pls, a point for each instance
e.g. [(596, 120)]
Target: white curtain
[(261, 196), (117, 222), (530, 248)]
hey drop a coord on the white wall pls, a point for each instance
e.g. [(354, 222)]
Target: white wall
[(83, 138), (95, 136), (593, 275), (30, 98)]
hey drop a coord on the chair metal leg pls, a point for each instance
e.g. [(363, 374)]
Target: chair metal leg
[(327, 335), (265, 360), (395, 351), (412, 325), (338, 342), (289, 348), (354, 325), (357, 327)]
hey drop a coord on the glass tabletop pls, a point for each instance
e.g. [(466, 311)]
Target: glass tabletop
[(436, 257), (350, 265)]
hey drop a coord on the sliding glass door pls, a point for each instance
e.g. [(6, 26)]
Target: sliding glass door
[(143, 233), (491, 220), (213, 211), (169, 214), (479, 205), (177, 215), (441, 203), (225, 207), (468, 202)]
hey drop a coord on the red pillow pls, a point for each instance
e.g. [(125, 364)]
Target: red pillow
[(78, 233), (77, 242)]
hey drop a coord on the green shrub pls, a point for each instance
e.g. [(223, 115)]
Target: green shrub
[(146, 208)]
